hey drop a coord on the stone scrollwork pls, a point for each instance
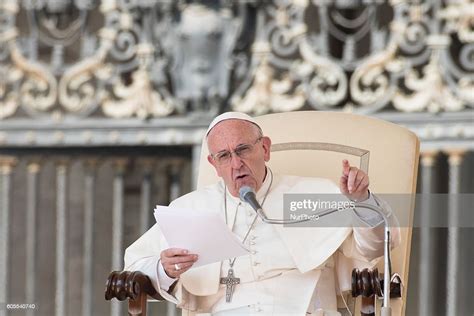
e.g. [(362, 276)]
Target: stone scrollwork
[(24, 82), (372, 84), (327, 83), (271, 86), (137, 98), (77, 92), (98, 81), (39, 86), (458, 70), (269, 95), (368, 57), (140, 58), (437, 80), (123, 59)]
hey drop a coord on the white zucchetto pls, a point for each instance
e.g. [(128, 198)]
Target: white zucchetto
[(230, 116)]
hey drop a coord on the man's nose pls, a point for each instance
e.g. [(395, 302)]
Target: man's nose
[(235, 161)]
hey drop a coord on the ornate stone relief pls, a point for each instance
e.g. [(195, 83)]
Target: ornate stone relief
[(364, 57), (154, 58)]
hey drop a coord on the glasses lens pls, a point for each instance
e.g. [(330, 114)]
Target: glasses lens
[(223, 157), (243, 151)]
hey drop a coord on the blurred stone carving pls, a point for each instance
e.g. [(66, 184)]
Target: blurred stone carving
[(267, 94), (122, 59), (201, 44)]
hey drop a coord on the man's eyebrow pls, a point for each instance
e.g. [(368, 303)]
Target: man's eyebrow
[(222, 151), (225, 150), (241, 145)]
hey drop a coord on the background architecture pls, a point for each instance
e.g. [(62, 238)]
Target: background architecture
[(103, 106)]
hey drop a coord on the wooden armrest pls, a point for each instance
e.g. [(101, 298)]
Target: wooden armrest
[(132, 285), (368, 283)]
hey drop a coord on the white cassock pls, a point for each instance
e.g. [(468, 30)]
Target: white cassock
[(290, 270)]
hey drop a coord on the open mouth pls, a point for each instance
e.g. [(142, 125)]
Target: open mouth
[(241, 177)]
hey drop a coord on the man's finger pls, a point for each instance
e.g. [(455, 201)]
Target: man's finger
[(183, 267), (351, 179), (345, 167), (184, 259), (343, 185), (170, 252), (360, 182)]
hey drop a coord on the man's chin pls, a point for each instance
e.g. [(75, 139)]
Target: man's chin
[(239, 183)]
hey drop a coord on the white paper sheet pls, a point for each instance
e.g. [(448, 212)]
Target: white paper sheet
[(202, 233)]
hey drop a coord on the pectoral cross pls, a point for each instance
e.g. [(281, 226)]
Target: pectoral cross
[(230, 281)]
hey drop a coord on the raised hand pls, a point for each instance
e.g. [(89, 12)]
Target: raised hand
[(354, 183)]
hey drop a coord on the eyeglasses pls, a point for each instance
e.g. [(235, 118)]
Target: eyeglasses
[(242, 151)]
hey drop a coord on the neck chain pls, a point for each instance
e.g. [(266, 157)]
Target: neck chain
[(230, 281)]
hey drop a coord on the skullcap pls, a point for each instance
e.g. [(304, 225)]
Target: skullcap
[(231, 116)]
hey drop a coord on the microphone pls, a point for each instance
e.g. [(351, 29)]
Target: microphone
[(247, 194)]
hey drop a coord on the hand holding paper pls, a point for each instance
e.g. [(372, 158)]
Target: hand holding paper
[(200, 232)]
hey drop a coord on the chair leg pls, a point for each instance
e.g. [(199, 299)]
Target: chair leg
[(367, 306), (138, 307)]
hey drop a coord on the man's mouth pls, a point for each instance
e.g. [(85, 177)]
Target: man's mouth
[(240, 177)]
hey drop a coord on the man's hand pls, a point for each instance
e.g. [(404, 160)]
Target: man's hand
[(354, 183), (176, 261)]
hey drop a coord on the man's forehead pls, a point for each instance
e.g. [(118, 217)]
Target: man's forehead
[(230, 116), (233, 130)]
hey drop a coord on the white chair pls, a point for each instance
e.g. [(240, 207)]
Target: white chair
[(314, 144), (310, 143)]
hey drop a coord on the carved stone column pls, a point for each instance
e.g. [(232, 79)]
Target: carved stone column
[(31, 224), (452, 279), (6, 166), (427, 242), (90, 167), (145, 197), (61, 237), (117, 224), (175, 180)]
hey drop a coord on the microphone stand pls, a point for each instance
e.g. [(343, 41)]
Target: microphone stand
[(386, 310)]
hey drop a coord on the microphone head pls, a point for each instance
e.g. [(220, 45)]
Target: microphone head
[(244, 191)]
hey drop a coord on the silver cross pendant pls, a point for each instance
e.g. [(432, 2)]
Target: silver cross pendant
[(230, 281)]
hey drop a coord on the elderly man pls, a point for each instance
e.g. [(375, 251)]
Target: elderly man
[(289, 271)]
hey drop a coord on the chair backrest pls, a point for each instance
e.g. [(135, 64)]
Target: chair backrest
[(311, 143)]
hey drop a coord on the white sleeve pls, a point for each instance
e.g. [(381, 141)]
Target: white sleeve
[(368, 216), (144, 255), (163, 278), (367, 240)]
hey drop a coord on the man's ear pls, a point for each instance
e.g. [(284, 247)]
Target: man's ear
[(213, 163), (267, 144)]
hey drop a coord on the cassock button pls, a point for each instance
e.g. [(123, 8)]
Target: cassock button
[(252, 242), (255, 263), (253, 252), (253, 237)]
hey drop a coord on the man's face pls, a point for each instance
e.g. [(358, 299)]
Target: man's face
[(248, 170)]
